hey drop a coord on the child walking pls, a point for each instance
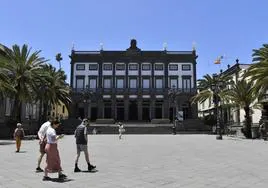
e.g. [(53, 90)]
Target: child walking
[(18, 136)]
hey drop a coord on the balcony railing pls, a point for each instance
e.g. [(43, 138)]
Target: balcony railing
[(137, 90)]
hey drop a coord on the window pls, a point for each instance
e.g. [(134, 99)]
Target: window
[(146, 67), (93, 66), (119, 83), (133, 83), (186, 67), (133, 66), (107, 67), (146, 83), (92, 83), (186, 83), (173, 82), (80, 67), (8, 107), (79, 82), (107, 83), (120, 66), (159, 83), (159, 67), (173, 67)]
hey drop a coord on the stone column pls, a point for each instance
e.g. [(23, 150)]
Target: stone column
[(152, 109), (126, 109), (139, 109)]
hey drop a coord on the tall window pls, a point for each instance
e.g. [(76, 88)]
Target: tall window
[(133, 83), (8, 107), (92, 83), (146, 83), (120, 83), (120, 66), (107, 83), (173, 82), (107, 66), (146, 66), (79, 83), (93, 66), (186, 84), (158, 83)]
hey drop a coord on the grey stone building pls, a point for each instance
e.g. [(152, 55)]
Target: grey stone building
[(133, 85)]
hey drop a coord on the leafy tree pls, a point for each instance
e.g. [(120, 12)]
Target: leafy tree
[(23, 68)]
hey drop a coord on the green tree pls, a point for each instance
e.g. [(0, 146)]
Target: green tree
[(51, 89), (258, 72), (23, 68), (243, 94)]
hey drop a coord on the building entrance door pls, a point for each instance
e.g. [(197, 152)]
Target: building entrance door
[(81, 113), (171, 114), (93, 114), (133, 111), (146, 114), (120, 113)]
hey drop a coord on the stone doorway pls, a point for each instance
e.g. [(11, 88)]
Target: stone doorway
[(133, 111)]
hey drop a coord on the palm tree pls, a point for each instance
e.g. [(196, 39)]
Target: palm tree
[(243, 94), (259, 72), (6, 86), (23, 69), (205, 87), (51, 89), (212, 87)]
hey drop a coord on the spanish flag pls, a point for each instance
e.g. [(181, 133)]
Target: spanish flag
[(218, 60)]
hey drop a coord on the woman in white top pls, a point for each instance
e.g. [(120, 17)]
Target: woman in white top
[(51, 149)]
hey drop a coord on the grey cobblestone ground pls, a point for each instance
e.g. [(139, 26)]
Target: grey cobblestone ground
[(150, 161)]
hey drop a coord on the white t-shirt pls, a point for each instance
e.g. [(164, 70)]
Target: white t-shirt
[(43, 129), (51, 136)]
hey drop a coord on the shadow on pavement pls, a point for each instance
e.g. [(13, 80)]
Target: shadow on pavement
[(22, 152), (92, 171), (7, 142), (57, 180)]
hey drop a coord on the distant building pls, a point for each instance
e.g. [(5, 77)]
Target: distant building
[(132, 85), (230, 114), (59, 111)]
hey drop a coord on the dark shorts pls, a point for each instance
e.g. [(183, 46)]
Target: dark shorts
[(81, 147), (42, 145)]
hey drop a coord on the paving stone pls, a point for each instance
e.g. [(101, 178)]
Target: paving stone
[(147, 161)]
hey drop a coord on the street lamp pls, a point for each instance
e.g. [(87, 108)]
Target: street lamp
[(172, 95), (216, 88)]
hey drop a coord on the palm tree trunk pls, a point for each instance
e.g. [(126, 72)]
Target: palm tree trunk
[(247, 122)]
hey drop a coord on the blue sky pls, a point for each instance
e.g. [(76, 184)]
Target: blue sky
[(231, 28)]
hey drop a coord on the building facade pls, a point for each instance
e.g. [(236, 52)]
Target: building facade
[(132, 85), (231, 115)]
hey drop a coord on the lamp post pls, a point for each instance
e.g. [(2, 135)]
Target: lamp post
[(172, 95), (216, 88), (87, 94)]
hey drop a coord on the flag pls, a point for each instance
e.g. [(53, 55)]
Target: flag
[(218, 60)]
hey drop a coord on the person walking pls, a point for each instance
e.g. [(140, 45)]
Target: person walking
[(51, 149), (81, 144), (42, 142), (121, 130), (18, 136)]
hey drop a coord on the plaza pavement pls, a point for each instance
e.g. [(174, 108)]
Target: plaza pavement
[(149, 161)]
